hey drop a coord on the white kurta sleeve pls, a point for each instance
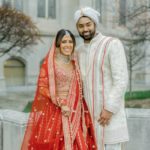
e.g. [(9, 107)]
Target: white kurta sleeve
[(119, 75)]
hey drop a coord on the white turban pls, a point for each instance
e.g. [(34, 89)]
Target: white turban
[(89, 12)]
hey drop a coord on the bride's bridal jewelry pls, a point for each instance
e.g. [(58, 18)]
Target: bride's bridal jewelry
[(62, 58)]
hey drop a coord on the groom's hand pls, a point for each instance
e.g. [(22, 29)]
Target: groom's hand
[(105, 117)]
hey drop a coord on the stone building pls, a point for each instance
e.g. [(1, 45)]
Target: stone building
[(19, 72)]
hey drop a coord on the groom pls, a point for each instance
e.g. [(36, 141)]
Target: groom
[(104, 72)]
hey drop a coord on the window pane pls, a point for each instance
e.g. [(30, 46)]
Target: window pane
[(18, 4), (41, 8), (14, 72), (7, 2), (51, 9), (99, 8), (122, 11)]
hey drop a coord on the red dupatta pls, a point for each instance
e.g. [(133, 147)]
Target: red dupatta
[(71, 124), (43, 130)]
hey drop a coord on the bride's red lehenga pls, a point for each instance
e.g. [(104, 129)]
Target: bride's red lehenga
[(47, 128)]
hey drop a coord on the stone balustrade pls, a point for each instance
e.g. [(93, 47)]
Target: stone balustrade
[(13, 123)]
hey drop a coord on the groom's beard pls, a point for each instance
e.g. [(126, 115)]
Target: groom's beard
[(88, 35)]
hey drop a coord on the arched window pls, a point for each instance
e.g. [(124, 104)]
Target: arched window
[(14, 72)]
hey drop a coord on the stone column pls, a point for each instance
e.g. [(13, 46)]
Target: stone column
[(32, 68)]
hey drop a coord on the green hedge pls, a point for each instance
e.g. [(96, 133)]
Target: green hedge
[(28, 107), (137, 95)]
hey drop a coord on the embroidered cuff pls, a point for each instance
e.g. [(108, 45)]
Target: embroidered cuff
[(111, 108)]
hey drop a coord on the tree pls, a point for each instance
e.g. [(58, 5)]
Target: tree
[(138, 25), (17, 30)]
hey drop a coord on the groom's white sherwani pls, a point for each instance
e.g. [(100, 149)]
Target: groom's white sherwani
[(104, 74)]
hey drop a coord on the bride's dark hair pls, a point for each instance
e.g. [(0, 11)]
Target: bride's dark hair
[(60, 35)]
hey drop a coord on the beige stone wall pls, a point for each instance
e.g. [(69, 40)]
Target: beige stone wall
[(64, 19)]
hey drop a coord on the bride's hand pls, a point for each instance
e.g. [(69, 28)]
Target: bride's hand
[(65, 110)]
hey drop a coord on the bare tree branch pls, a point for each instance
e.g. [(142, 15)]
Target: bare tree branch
[(17, 30), (138, 25)]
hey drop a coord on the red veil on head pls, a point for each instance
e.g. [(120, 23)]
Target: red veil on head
[(47, 128)]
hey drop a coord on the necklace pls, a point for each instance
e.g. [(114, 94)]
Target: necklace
[(61, 58)]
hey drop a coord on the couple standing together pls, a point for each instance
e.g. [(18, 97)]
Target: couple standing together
[(80, 107)]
